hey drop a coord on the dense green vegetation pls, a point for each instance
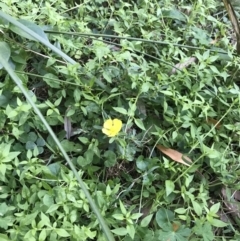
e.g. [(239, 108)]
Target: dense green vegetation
[(168, 72)]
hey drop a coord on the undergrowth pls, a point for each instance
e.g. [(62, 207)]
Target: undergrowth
[(167, 70)]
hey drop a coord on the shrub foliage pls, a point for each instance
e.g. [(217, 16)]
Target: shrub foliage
[(168, 70)]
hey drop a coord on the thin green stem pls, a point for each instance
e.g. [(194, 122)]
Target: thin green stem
[(136, 51), (135, 39), (80, 181)]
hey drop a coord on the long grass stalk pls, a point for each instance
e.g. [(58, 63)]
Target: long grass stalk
[(18, 82)]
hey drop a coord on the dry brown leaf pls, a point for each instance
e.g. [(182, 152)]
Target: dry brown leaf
[(233, 207), (67, 125), (174, 155), (183, 65), (237, 195), (214, 122), (175, 227)]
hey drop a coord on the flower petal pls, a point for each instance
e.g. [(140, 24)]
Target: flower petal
[(117, 125), (112, 127), (108, 124), (105, 131)]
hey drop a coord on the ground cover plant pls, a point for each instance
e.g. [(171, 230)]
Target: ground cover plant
[(144, 98)]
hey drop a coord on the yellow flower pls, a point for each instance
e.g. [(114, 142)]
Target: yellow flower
[(112, 127)]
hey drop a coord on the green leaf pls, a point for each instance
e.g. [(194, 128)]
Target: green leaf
[(83, 139), (88, 156), (123, 209), (215, 207), (211, 153), (136, 215), (101, 51), (120, 110), (54, 168), (48, 200), (118, 216), (42, 235), (197, 208), (146, 220), (62, 232), (145, 87), (120, 231), (89, 233), (108, 190), (164, 217), (167, 92), (30, 235), (139, 123), (57, 103), (214, 69), (11, 156), (132, 108), (180, 210), (3, 99), (81, 161), (218, 223), (12, 114), (174, 14), (3, 209), (5, 52), (77, 94), (5, 149), (5, 222), (71, 198), (204, 230), (177, 233), (40, 142), (107, 76), (70, 112), (26, 220), (37, 151), (142, 164), (52, 208), (169, 187), (70, 146), (4, 237), (30, 145), (32, 136), (45, 219), (111, 158), (131, 231), (52, 80)]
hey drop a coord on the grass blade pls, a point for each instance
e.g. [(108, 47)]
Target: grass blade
[(5, 49)]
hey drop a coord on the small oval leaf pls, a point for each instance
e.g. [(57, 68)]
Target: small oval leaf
[(120, 110), (145, 222), (139, 123)]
